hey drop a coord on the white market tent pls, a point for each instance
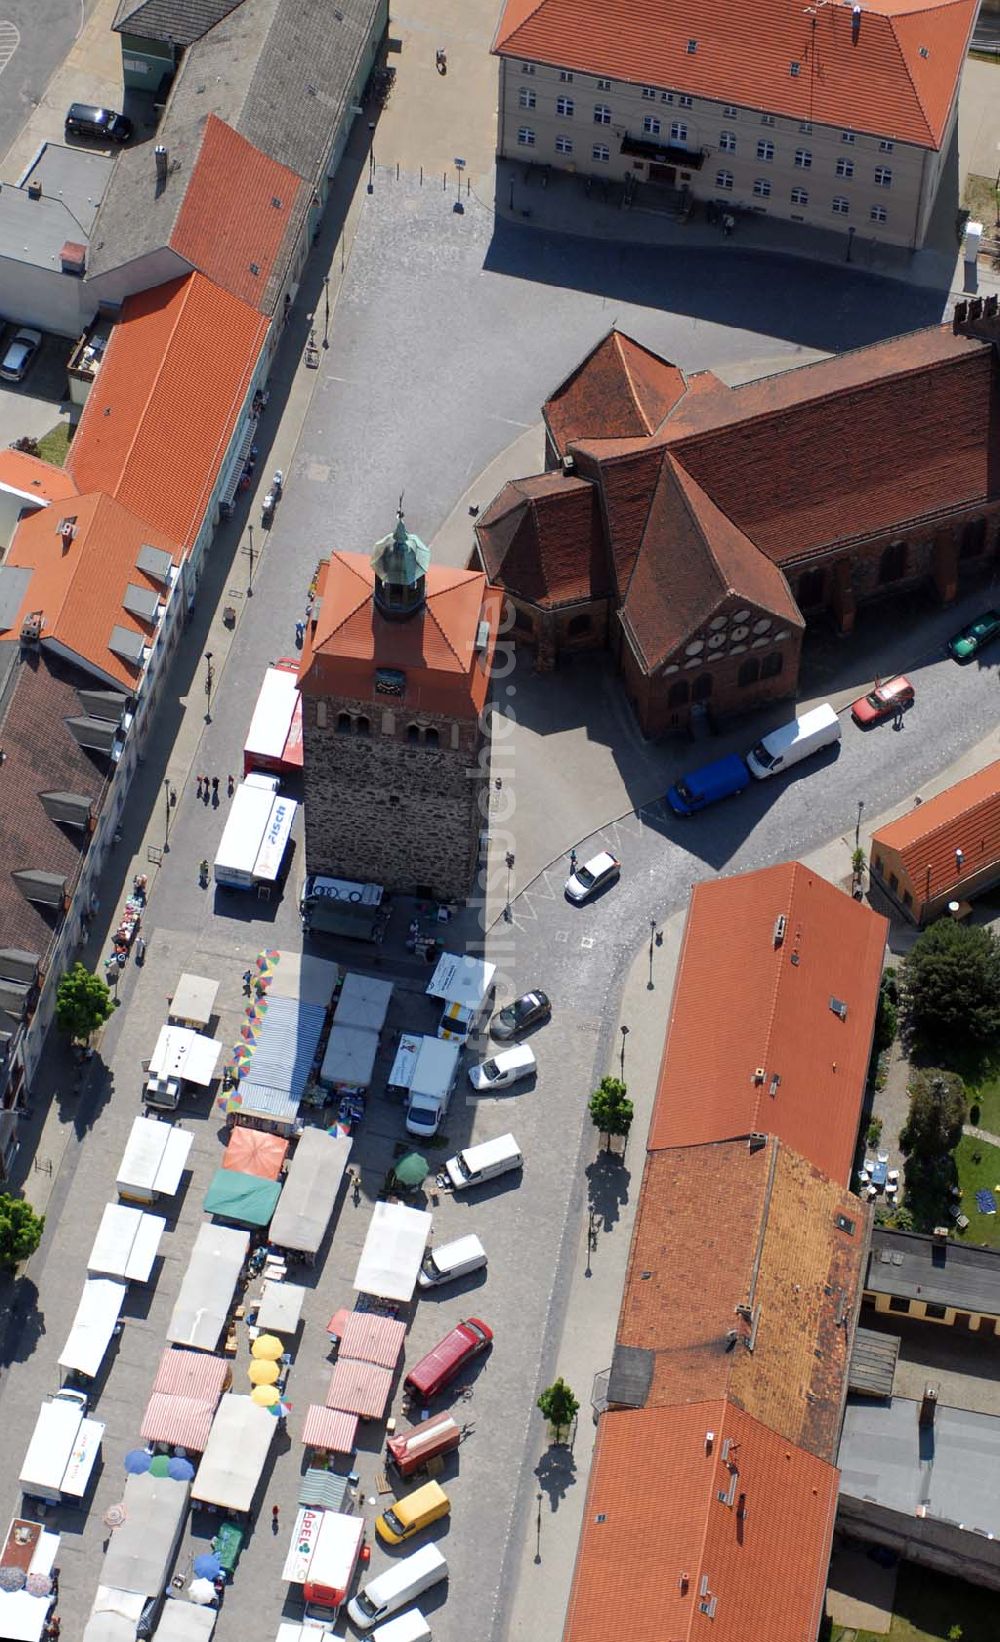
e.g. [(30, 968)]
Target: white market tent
[(22, 1615), (461, 980), (193, 1003), (202, 1306), (154, 1160), (181, 1053), (95, 1322), (350, 1058), (311, 1185), (114, 1616), (126, 1244), (232, 1464), (307, 979), (280, 1308), (364, 1001), (141, 1552), (186, 1622), (394, 1248)]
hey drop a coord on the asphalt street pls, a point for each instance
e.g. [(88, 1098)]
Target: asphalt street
[(443, 345), (35, 36)]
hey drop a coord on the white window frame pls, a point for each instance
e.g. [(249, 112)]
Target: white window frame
[(886, 145), (601, 153), (649, 94), (565, 107), (878, 213), (724, 179), (847, 136), (762, 188), (566, 76), (527, 97), (845, 168), (841, 206), (602, 114), (651, 125), (803, 159), (564, 144), (527, 68), (727, 142), (883, 176), (684, 101), (525, 137), (730, 111), (767, 119), (765, 149), (800, 196), (604, 85), (678, 131)]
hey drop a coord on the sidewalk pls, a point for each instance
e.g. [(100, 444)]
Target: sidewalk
[(91, 72)]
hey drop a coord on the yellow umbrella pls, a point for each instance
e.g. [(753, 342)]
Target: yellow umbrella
[(267, 1347), (265, 1396), (262, 1373)]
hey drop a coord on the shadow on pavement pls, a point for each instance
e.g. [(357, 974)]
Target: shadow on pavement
[(556, 1473), (23, 1323), (608, 1181)]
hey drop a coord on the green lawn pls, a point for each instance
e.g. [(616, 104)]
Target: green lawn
[(54, 446), (982, 1228), (928, 1605)]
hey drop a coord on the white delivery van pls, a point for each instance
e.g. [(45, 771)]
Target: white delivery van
[(431, 1082), (477, 1164), (782, 748), (398, 1585), (451, 1260), (63, 1449), (406, 1627)]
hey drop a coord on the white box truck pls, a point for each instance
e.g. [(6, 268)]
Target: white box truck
[(63, 1449), (431, 1082)]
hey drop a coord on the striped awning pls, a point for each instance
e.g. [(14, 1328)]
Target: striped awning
[(192, 1374), (326, 1489), (359, 1388), (183, 1420), (369, 1338), (331, 1429)]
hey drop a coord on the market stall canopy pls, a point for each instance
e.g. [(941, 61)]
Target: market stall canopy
[(95, 1322), (364, 1001), (206, 1292), (114, 1615), (185, 1421), (280, 1306), (255, 1151), (245, 1198), (461, 979), (154, 1160), (349, 1059), (186, 1622), (311, 1186), (127, 1243), (30, 1551), (181, 1053), (232, 1464), (371, 1338), (191, 1374), (141, 1552), (193, 1003), (299, 976), (394, 1247), (332, 1429), (286, 1042), (359, 1388)]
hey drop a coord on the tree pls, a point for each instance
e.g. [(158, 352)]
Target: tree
[(887, 1016), (559, 1406), (611, 1109), (83, 1003), (952, 983), (937, 1111), (20, 1230)]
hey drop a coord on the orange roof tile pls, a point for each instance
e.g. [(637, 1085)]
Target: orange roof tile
[(897, 78), (79, 584), (436, 648), (239, 207), (179, 363), (620, 390), (965, 816), (657, 1541), (746, 1001), (720, 1227), (34, 478)]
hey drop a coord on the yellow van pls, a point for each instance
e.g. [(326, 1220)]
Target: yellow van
[(415, 1511)]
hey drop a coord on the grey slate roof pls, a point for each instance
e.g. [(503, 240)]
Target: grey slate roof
[(177, 22), (280, 72), (917, 1267)]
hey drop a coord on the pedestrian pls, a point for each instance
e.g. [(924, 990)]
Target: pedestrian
[(274, 1519), (898, 720), (247, 978), (230, 785), (572, 860), (199, 786), (215, 786)]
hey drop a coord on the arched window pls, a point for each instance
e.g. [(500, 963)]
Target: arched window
[(892, 565), (577, 625), (362, 726), (343, 723), (702, 687), (431, 737), (772, 665), (749, 672), (679, 693), (413, 733), (809, 589)]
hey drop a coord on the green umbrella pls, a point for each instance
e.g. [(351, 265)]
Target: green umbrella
[(160, 1466), (412, 1169)]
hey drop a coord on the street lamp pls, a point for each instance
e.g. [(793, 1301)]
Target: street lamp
[(459, 167), (857, 825), (508, 914), (371, 156), (209, 681), (652, 940), (166, 825), (249, 550), (326, 310), (624, 1032)]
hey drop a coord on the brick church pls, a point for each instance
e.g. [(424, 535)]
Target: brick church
[(696, 530), (395, 679)]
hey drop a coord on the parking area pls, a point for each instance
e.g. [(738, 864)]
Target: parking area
[(32, 408)]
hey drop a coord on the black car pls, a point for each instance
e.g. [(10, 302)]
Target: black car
[(529, 1010), (87, 120)]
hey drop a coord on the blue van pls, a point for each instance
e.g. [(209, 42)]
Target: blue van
[(723, 779)]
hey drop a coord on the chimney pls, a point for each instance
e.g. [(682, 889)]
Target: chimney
[(34, 190), (928, 1403), (960, 316), (160, 155)]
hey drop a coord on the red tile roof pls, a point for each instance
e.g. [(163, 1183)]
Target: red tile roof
[(34, 478), (79, 583), (898, 78), (693, 562), (754, 997), (965, 816), (436, 648), (721, 1227), (542, 538), (239, 214), (621, 390), (179, 364), (657, 1541)]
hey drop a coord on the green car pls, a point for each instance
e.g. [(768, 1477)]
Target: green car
[(971, 639)]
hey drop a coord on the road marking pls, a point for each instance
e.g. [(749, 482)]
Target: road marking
[(10, 39), (562, 934), (586, 940)]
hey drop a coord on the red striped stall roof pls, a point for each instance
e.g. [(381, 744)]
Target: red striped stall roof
[(360, 1388), (192, 1374), (369, 1338), (331, 1429), (184, 1420)]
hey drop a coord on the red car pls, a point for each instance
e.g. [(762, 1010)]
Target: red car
[(440, 1366), (893, 695)]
